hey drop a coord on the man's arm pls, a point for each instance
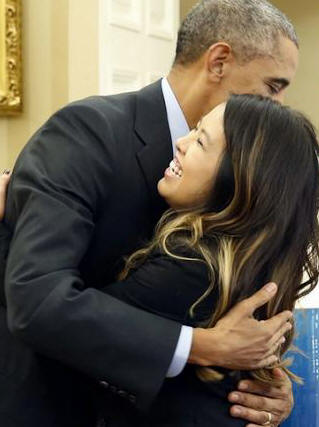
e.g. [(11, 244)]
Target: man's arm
[(185, 341), (59, 180)]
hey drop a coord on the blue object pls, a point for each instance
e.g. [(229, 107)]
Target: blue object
[(306, 410)]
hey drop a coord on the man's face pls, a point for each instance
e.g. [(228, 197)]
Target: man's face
[(267, 76)]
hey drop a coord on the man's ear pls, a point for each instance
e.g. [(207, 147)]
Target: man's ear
[(218, 57)]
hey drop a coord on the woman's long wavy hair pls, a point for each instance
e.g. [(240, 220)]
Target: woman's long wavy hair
[(261, 222)]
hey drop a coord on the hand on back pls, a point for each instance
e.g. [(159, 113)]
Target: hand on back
[(238, 341)]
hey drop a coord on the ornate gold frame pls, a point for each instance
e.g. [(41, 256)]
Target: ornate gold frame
[(10, 57)]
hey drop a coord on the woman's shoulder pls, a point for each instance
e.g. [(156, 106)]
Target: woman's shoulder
[(188, 273), (184, 258), (167, 284)]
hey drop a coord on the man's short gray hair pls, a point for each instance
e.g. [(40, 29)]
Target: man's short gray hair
[(251, 27)]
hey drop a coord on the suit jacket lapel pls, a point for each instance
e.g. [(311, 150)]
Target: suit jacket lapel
[(151, 126)]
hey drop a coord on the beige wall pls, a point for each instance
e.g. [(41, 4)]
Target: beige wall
[(57, 32), (44, 63), (83, 55), (55, 35), (304, 92), (186, 5)]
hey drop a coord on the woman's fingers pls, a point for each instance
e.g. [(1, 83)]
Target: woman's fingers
[(4, 182)]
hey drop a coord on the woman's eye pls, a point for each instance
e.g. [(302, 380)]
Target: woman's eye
[(274, 90), (199, 141)]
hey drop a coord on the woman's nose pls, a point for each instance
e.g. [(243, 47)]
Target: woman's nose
[(181, 145)]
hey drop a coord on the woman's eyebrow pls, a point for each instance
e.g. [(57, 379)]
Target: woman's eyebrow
[(203, 130), (206, 134)]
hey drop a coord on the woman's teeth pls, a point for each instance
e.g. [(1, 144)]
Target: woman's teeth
[(175, 169)]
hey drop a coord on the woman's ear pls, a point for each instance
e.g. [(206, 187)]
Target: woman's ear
[(218, 57)]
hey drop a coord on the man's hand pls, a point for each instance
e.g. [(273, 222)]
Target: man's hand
[(238, 341), (4, 182), (256, 400)]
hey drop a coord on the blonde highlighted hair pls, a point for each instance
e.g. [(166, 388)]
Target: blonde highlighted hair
[(261, 222)]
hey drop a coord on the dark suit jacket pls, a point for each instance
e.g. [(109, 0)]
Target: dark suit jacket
[(83, 193), (169, 287)]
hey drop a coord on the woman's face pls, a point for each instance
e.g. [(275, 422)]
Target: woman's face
[(189, 179)]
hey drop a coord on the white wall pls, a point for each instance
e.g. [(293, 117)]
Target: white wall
[(137, 42)]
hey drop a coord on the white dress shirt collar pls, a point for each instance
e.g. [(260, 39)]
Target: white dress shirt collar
[(176, 120)]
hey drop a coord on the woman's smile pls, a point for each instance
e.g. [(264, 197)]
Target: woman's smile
[(174, 170)]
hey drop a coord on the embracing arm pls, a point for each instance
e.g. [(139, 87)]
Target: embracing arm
[(169, 287), (192, 285), (54, 193)]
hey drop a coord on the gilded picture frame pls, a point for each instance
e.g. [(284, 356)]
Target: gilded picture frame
[(10, 57)]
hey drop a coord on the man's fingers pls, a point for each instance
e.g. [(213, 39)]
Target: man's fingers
[(279, 324), (267, 361), (262, 389), (259, 425), (280, 374), (253, 401), (280, 340), (258, 418), (261, 297), (279, 336), (258, 397), (274, 348)]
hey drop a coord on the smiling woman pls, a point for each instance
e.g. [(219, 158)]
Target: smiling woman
[(185, 183), (10, 57)]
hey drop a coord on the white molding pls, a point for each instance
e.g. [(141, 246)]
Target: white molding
[(161, 19), (130, 59), (126, 14), (124, 80)]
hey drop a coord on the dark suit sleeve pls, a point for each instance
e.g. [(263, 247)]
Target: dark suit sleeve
[(59, 181), (168, 287), (5, 237)]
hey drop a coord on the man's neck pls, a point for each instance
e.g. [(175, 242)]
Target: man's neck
[(187, 89)]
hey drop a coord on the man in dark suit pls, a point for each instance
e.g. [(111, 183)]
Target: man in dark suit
[(83, 194)]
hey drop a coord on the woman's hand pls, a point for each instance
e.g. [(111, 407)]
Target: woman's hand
[(4, 182)]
